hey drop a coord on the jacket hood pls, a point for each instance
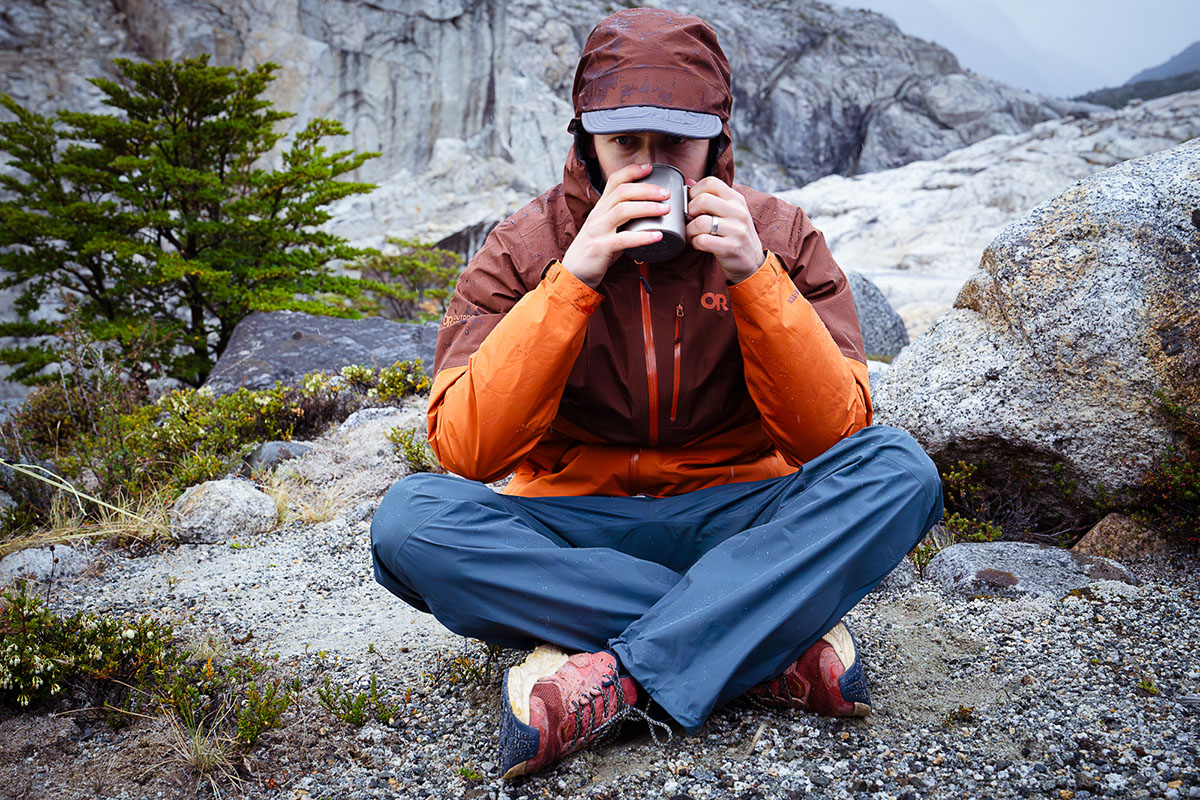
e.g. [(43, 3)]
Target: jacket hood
[(648, 57)]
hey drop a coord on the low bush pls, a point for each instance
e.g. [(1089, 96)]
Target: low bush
[(86, 658), (119, 445), (1169, 496)]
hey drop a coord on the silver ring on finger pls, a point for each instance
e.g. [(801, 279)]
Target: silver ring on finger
[(713, 232)]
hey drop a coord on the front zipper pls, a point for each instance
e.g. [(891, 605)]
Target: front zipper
[(651, 360), (675, 371)]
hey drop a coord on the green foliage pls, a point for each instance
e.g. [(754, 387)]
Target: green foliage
[(460, 669), (421, 276), (389, 384), (263, 708), (410, 446), (1169, 496), (89, 429), (44, 656), (966, 518), (469, 773), (356, 708), (160, 222)]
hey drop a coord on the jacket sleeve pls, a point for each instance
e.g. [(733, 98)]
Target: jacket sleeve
[(488, 410), (809, 391)]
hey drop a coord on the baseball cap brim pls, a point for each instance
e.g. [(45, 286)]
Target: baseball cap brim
[(673, 121)]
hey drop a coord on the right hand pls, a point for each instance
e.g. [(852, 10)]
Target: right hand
[(598, 243)]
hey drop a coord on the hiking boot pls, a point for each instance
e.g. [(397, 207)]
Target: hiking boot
[(827, 679), (555, 704)]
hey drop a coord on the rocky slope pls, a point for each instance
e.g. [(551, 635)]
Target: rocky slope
[(919, 230)]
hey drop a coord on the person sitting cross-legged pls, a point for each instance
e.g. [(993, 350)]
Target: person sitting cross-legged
[(698, 494)]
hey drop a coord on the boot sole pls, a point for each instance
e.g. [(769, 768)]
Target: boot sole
[(518, 686), (843, 645)]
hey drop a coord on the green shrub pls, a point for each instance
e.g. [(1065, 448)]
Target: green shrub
[(43, 656), (412, 447), (421, 278), (163, 220), (263, 708), (355, 708), (91, 432)]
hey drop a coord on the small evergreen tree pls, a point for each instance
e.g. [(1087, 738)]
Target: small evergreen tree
[(160, 224)]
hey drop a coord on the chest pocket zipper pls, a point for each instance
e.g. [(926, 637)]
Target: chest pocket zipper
[(675, 371)]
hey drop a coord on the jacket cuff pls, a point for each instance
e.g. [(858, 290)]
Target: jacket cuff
[(758, 284), (561, 282)]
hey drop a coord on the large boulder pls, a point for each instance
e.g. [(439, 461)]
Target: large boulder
[(1083, 317), (883, 330), (285, 345)]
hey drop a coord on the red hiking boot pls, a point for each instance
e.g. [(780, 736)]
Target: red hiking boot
[(555, 704), (827, 679)]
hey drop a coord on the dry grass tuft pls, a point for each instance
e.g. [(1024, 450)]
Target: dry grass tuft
[(143, 520)]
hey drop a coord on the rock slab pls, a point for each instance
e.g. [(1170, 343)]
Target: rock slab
[(43, 563), (1018, 569), (270, 346), (1119, 537), (1083, 316), (216, 511)]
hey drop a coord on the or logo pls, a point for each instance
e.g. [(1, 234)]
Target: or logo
[(714, 302)]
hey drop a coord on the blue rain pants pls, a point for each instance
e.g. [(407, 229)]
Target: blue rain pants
[(701, 595)]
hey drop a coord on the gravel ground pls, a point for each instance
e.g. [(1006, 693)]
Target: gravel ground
[(1088, 696)]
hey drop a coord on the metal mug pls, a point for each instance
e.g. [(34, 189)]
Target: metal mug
[(671, 224)]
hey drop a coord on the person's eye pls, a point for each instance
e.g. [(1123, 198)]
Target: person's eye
[(623, 141), (677, 139)]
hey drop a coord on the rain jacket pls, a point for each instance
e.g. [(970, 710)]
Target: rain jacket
[(664, 379)]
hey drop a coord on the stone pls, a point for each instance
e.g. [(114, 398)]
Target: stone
[(1019, 569), (1121, 538), (269, 455), (882, 328), (44, 563), (1053, 366), (365, 415), (900, 578), (216, 511), (286, 345), (362, 512)]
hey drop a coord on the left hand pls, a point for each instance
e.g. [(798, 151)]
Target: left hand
[(735, 245)]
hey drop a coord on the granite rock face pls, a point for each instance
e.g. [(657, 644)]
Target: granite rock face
[(818, 89), (216, 511), (285, 345), (1082, 315), (1016, 569)]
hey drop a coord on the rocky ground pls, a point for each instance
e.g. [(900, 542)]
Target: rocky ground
[(1091, 695)]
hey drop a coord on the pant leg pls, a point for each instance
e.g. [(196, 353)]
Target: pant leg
[(701, 595), (754, 602), (516, 571)]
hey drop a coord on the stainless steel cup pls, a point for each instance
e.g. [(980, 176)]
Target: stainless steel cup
[(671, 224)]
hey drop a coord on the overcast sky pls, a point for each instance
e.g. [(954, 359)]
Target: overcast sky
[(1062, 47)]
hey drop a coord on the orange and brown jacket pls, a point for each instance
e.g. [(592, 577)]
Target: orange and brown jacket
[(664, 379)]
